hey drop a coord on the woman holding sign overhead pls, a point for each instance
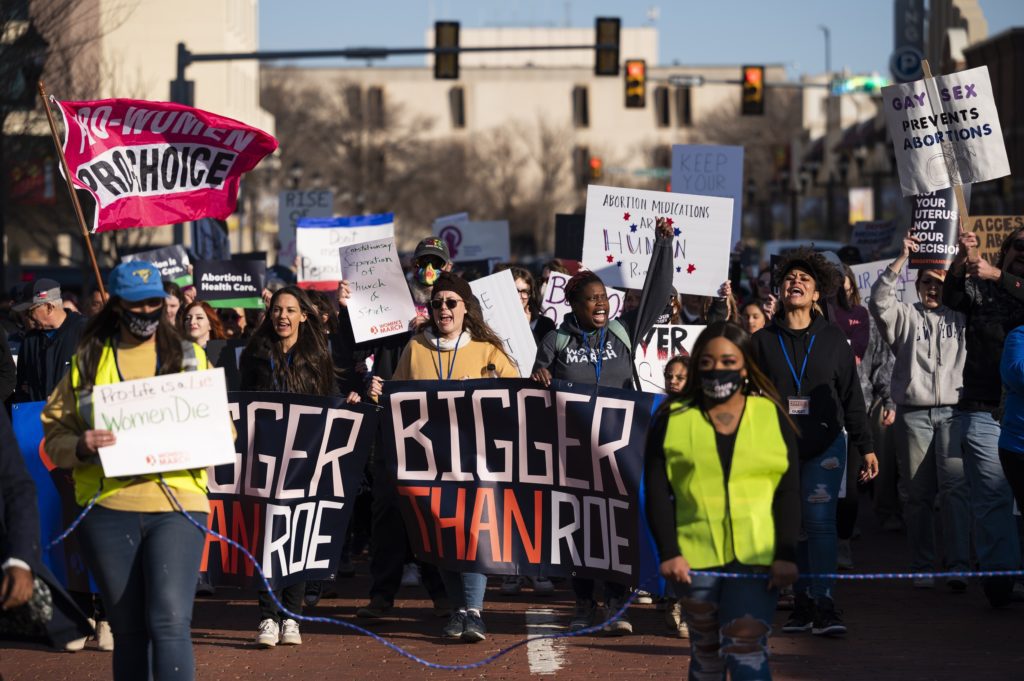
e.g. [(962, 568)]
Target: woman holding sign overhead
[(142, 552), (288, 353), (457, 344)]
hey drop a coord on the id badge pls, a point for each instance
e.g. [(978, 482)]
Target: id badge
[(799, 406)]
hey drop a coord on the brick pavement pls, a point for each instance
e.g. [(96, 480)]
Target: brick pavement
[(896, 632)]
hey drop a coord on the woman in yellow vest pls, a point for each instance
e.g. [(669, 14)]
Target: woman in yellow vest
[(722, 489), (142, 552)]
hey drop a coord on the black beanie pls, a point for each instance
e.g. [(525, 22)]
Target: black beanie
[(454, 283)]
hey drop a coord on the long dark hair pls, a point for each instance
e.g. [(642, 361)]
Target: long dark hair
[(473, 324), (757, 383), (310, 370), (106, 326)]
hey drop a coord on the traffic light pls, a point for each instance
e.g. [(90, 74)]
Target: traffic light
[(595, 167), (606, 61), (636, 83), (446, 34), (581, 169), (753, 91)]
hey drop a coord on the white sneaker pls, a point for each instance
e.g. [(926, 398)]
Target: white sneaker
[(104, 636), (79, 643), (268, 634), (290, 633), (542, 586), (643, 597), (844, 557), (411, 575), (512, 584)]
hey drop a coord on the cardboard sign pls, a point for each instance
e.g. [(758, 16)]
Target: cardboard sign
[(935, 222), (569, 230), (293, 206), (868, 273), (555, 305), (503, 312), (873, 239), (620, 237), (318, 241), (662, 343), (711, 170), (467, 241), (945, 131), (165, 423), (172, 261), (231, 283), (992, 230), (381, 304), (210, 240)]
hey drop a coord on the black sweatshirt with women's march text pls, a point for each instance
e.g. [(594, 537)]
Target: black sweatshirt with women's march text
[(830, 382)]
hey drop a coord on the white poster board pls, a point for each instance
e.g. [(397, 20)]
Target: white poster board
[(867, 274), (292, 206), (318, 241), (555, 305), (711, 170), (381, 304), (503, 312), (620, 232), (165, 423), (475, 240), (945, 131), (664, 342)]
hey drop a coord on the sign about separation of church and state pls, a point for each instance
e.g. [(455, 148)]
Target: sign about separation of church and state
[(945, 131), (711, 170), (935, 223), (992, 231), (503, 311), (380, 303), (318, 240), (620, 234), (506, 477), (287, 493), (231, 283)]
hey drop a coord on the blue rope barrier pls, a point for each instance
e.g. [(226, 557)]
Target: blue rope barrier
[(74, 525)]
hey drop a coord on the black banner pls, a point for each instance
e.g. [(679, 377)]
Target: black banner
[(935, 222), (569, 236), (506, 477), (288, 497), (230, 283), (172, 261)]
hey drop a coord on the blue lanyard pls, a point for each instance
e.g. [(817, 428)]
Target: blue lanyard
[(273, 374), (451, 364), (600, 351), (799, 380)]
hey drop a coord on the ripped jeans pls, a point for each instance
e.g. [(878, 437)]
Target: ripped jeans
[(820, 480), (729, 621)]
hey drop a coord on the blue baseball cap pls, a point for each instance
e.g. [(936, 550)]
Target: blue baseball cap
[(135, 281)]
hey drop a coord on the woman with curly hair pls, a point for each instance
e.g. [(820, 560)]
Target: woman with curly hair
[(810, 361)]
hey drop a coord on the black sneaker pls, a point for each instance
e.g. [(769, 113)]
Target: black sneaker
[(802, 617), (314, 589), (456, 625), (826, 619), (474, 631)]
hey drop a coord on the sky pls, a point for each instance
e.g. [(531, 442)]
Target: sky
[(711, 32)]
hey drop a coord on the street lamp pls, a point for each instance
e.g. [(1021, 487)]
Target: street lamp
[(295, 174), (828, 49)]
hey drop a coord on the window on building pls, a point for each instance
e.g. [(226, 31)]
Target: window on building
[(457, 104), (580, 107), (375, 107), (684, 112), (581, 166), (354, 102), (661, 156), (661, 113)]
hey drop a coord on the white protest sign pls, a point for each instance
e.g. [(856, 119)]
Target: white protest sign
[(318, 241), (873, 238), (867, 274), (945, 131), (165, 423), (620, 232), (292, 206), (710, 170), (555, 305), (662, 343), (381, 304), (503, 312), (475, 240)]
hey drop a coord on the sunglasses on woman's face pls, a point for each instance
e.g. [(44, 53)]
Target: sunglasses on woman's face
[(450, 303)]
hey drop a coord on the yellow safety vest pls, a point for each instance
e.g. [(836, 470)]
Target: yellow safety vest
[(90, 478), (716, 522)]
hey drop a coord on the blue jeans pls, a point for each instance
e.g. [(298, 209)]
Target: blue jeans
[(820, 480), (729, 622), (465, 589), (146, 566), (995, 529), (932, 469)]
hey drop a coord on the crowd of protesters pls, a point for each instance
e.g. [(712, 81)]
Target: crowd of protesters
[(796, 400)]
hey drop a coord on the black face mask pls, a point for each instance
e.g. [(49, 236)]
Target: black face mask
[(142, 325), (718, 385)]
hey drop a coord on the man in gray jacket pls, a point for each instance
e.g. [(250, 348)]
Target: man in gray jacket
[(928, 341)]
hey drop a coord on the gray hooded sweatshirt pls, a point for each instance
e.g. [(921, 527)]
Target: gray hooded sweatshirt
[(928, 344)]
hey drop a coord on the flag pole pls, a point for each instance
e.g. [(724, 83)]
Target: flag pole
[(71, 190)]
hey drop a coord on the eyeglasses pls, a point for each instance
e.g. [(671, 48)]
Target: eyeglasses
[(450, 303), (523, 292), (1017, 245)]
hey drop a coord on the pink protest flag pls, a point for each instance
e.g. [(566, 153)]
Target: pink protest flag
[(157, 163)]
